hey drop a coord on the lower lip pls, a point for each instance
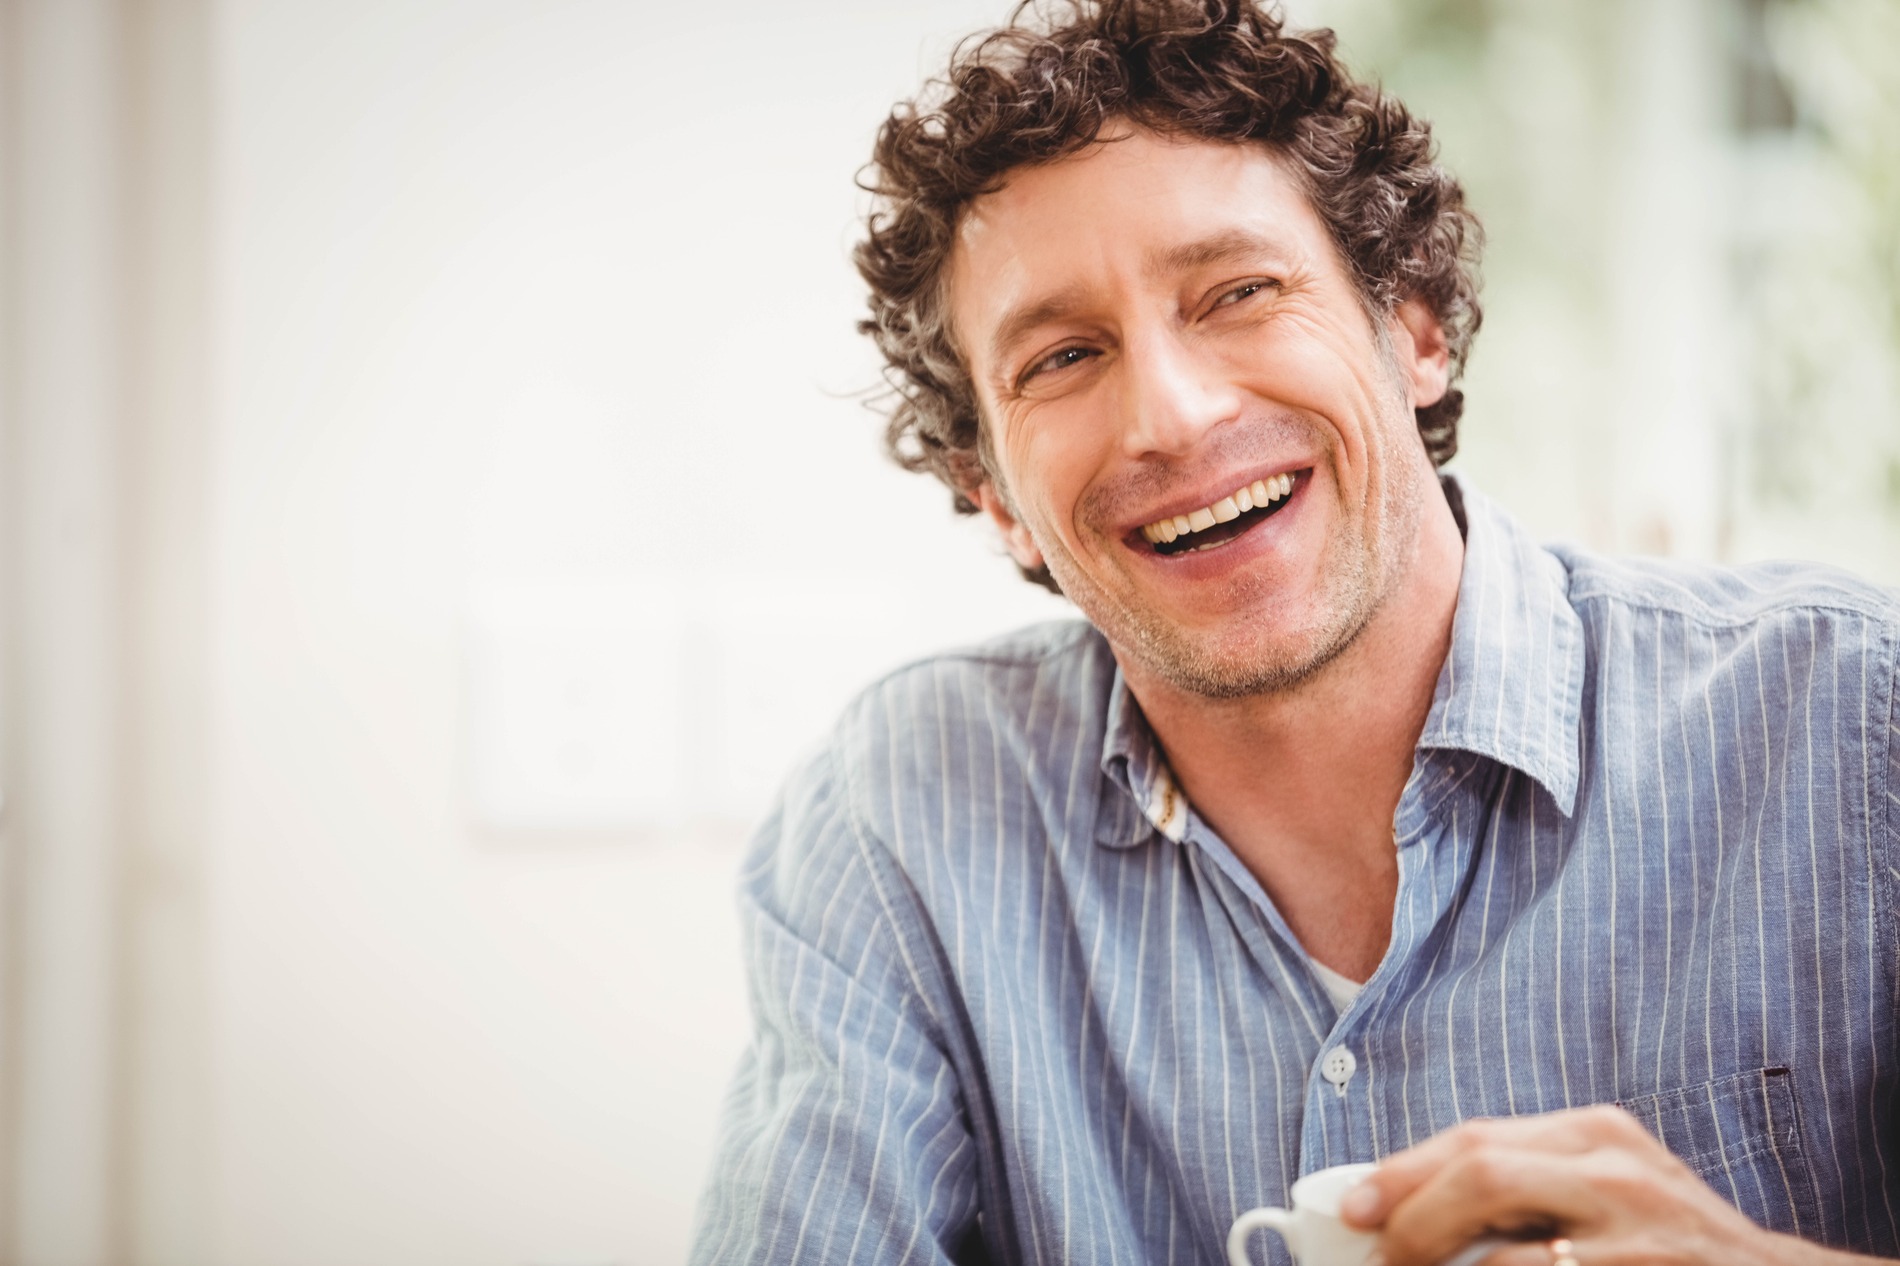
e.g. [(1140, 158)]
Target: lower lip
[(1256, 540)]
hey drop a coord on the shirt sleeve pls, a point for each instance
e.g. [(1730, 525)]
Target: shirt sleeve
[(1886, 807), (843, 1138), (1892, 771)]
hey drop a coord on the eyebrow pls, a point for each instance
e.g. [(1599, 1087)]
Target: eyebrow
[(1216, 248), (1019, 321)]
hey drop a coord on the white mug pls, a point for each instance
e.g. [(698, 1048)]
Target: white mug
[(1312, 1229)]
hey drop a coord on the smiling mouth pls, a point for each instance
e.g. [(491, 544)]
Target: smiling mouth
[(1217, 524)]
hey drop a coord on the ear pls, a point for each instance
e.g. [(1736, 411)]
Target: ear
[(1418, 341), (1016, 538)]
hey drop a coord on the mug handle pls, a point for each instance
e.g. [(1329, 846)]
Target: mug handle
[(1246, 1224)]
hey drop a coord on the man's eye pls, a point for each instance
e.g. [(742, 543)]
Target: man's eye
[(1058, 360), (1239, 293)]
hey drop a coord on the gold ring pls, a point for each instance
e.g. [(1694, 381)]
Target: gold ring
[(1562, 1252)]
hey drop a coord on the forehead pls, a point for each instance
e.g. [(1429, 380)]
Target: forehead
[(1133, 209)]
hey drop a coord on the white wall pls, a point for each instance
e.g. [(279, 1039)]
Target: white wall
[(62, 536), (535, 353)]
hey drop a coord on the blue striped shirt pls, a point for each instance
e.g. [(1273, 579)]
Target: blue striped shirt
[(1015, 1001)]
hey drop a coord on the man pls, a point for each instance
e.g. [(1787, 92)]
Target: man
[(1352, 825)]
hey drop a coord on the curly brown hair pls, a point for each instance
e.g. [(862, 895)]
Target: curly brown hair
[(1046, 84)]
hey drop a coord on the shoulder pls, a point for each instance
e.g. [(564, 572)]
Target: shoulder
[(1803, 642), (986, 720), (1053, 653), (1761, 595), (1006, 704), (955, 746)]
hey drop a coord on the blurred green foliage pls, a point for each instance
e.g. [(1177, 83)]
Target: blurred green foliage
[(1535, 102)]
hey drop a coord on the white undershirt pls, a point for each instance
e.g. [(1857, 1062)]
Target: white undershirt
[(1340, 989)]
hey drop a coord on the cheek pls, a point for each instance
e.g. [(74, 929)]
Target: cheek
[(1053, 462), (1289, 359), (1325, 372)]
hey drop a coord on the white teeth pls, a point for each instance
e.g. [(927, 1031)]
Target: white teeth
[(1258, 494), (1160, 533)]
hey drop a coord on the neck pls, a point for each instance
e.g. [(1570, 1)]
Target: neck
[(1303, 783)]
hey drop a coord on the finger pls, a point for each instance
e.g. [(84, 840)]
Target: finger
[(1497, 1191), (1570, 1132), (1523, 1253)]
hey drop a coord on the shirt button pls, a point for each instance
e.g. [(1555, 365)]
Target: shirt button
[(1338, 1067)]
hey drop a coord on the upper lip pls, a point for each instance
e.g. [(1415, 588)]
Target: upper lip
[(1211, 490)]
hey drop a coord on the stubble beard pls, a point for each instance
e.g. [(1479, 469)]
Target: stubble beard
[(1366, 558), (1209, 666)]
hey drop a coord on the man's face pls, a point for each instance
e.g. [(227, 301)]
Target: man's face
[(1161, 333)]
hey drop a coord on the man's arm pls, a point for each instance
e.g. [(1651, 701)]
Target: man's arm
[(843, 1138)]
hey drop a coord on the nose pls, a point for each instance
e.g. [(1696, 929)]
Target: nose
[(1173, 393)]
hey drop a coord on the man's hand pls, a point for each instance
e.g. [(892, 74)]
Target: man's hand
[(1592, 1175)]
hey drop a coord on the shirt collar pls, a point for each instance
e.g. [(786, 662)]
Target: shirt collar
[(1133, 760), (1511, 688)]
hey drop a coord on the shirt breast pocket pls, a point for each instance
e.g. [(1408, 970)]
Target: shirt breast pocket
[(1740, 1135)]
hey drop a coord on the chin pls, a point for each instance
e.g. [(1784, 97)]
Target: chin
[(1264, 647), (1229, 667), (1279, 671)]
